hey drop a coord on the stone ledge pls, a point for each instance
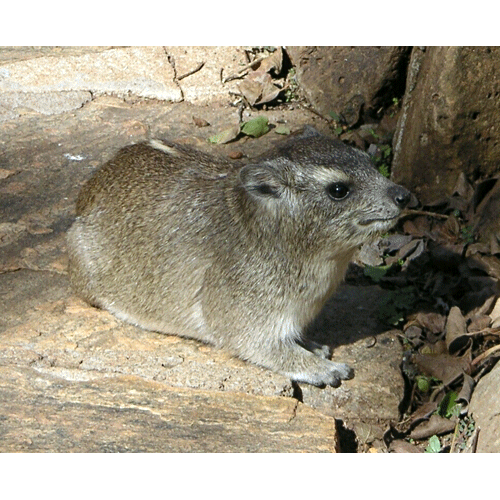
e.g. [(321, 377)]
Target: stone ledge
[(42, 413)]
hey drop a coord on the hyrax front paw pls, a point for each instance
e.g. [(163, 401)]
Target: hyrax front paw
[(325, 373)]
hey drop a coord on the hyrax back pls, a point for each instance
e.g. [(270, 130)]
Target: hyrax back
[(240, 256)]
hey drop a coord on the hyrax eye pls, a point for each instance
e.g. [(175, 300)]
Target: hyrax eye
[(337, 190)]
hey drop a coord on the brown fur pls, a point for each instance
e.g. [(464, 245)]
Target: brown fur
[(240, 256)]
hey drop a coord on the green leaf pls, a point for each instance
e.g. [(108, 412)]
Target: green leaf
[(226, 135), (434, 445), (384, 170), (423, 384), (392, 307), (447, 405), (282, 129), (335, 116), (256, 127), (376, 273)]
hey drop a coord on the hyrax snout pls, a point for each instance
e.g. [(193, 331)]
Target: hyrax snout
[(240, 256)]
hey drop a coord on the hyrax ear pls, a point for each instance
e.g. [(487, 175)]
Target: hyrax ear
[(262, 180)]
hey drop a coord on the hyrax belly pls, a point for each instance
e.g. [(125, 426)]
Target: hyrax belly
[(238, 255)]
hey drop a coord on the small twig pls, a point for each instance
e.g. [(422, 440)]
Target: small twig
[(189, 73), (485, 354), (243, 71), (423, 212)]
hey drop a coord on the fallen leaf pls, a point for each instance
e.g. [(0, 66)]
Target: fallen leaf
[(431, 322), (258, 88), (495, 313), (226, 135), (444, 367), (282, 129), (418, 227), (394, 242), (450, 230), (463, 187), (424, 412), (466, 391), (256, 127), (273, 62), (479, 323), (455, 330), (487, 263), (411, 251), (401, 446), (434, 426)]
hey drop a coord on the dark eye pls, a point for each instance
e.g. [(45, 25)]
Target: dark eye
[(337, 190)]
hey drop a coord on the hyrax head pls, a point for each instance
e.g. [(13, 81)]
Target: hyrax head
[(324, 188)]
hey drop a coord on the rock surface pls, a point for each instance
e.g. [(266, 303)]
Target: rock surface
[(449, 119), (485, 409), (45, 413), (52, 82), (349, 81)]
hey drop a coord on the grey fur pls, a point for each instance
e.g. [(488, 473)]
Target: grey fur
[(240, 256)]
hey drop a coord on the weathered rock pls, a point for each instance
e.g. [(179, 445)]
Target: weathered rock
[(45, 327), (200, 70), (49, 339), (349, 81), (45, 413), (52, 80), (449, 120), (485, 409), (374, 395)]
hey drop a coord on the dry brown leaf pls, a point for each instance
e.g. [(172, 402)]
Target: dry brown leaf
[(495, 313), (432, 322), (273, 62), (418, 227), (401, 446), (434, 348), (450, 230), (479, 323), (434, 426), (485, 355), (394, 242), (487, 263), (463, 187), (466, 391), (411, 251), (443, 366), (455, 330), (258, 88), (423, 412)]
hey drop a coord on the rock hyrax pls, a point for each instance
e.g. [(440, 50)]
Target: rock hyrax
[(240, 256)]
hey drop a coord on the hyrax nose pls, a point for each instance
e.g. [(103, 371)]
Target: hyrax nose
[(400, 196)]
